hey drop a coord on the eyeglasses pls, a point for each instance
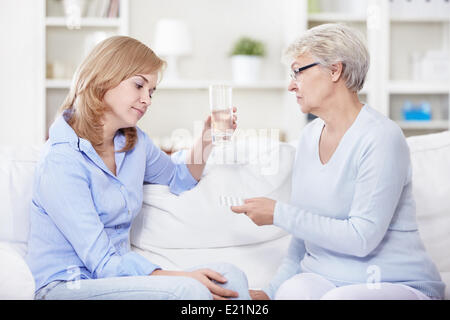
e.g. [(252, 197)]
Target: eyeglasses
[(296, 72)]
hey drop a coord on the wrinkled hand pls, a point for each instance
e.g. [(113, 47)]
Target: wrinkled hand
[(259, 210), (258, 295), (206, 277)]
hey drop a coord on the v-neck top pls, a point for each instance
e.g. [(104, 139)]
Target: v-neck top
[(356, 211), (348, 132)]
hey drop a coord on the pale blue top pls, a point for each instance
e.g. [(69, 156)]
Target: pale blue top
[(354, 218), (81, 212)]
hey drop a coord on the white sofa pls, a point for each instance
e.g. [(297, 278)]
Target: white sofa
[(194, 228)]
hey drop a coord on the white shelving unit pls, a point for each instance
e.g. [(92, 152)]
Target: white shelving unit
[(419, 33), (391, 38), (424, 125), (388, 85), (418, 87), (352, 18), (325, 17), (65, 48), (88, 22)]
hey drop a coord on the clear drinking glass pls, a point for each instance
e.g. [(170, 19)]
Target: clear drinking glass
[(221, 113)]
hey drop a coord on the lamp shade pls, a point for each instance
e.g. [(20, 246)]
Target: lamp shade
[(172, 38)]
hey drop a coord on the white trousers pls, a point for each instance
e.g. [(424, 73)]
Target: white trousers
[(310, 286)]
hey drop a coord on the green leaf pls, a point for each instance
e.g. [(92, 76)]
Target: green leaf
[(248, 46)]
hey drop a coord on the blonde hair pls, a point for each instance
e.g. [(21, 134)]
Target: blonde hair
[(331, 43), (109, 63)]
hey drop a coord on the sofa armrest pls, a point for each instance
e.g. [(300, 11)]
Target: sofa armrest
[(16, 280)]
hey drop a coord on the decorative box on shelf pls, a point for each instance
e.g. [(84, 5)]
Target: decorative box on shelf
[(416, 112)]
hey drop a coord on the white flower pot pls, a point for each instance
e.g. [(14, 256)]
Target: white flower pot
[(245, 69)]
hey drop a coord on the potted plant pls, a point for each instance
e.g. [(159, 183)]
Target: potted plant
[(246, 58)]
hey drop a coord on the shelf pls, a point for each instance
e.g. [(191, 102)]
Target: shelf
[(58, 83), (188, 84), (193, 84), (343, 17), (424, 125), (85, 22), (418, 87), (204, 84), (334, 16), (419, 19)]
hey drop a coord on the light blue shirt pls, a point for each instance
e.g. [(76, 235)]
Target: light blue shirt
[(353, 219), (81, 212)]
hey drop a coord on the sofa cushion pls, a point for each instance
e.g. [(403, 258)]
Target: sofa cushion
[(446, 278), (430, 158), (17, 166), (16, 280), (252, 258), (197, 219)]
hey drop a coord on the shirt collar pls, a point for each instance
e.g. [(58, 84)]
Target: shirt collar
[(61, 132)]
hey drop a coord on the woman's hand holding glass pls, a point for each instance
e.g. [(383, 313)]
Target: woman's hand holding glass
[(208, 127)]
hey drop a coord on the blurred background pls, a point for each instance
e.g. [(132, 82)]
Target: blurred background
[(237, 42)]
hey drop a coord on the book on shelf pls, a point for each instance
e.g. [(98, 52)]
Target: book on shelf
[(103, 8), (113, 10)]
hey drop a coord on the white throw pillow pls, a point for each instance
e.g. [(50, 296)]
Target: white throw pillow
[(252, 259), (16, 280), (17, 165), (430, 158), (196, 218)]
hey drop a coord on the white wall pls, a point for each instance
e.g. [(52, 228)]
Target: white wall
[(21, 65), (214, 26)]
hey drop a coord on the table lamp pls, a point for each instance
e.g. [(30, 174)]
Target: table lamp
[(171, 41)]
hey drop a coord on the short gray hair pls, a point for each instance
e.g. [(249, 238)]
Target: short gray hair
[(331, 43)]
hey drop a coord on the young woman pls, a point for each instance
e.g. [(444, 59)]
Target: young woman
[(352, 212), (89, 187)]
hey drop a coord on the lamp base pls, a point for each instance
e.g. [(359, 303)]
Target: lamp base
[(171, 72)]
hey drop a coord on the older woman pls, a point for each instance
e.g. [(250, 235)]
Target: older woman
[(352, 212)]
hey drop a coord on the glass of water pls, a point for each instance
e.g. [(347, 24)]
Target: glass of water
[(221, 113)]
